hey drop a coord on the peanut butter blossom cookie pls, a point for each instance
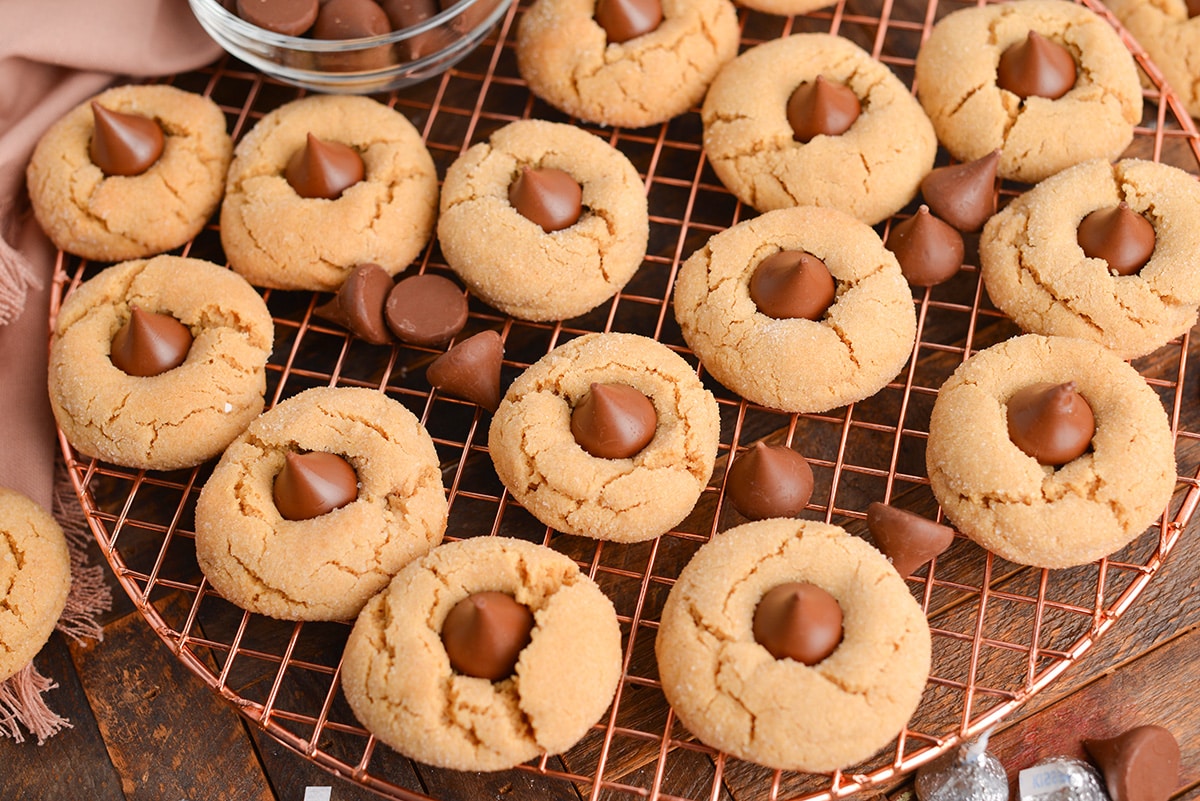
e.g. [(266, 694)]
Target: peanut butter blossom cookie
[(1100, 251), (1047, 82), (159, 364), (318, 504), (544, 221), (1049, 451), (812, 119), (484, 654), (1170, 32), (610, 436), (625, 62), (323, 184), (799, 309), (35, 577), (792, 644), (135, 171)]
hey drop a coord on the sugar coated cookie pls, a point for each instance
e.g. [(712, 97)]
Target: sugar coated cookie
[(512, 261), (1037, 514), (278, 237), (870, 170), (317, 564), (1037, 271), (849, 347), (35, 577), (784, 7), (1037, 135), (402, 684), (569, 59), (627, 498), (127, 214), (166, 417), (815, 714), (1171, 36)]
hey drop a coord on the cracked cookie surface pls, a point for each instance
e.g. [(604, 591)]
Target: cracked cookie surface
[(1036, 137), (276, 238), (509, 261), (35, 577), (565, 57), (729, 691), (326, 567), (114, 218), (624, 500), (1036, 272), (185, 415), (1171, 38), (869, 172), (399, 682), (798, 365), (1037, 515)]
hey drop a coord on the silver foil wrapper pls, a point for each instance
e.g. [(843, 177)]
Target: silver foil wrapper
[(1061, 778), (968, 773)]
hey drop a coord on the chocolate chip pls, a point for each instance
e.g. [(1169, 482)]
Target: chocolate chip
[(288, 17), (426, 309), (963, 195), (821, 107), (1051, 422), (1119, 236), (613, 421), (312, 484), (792, 284), (623, 20), (908, 539), (485, 633), (358, 304), (124, 144), (470, 370), (769, 481), (929, 250), (798, 621), (150, 344), (1141, 764), (323, 169), (547, 196), (1036, 67)]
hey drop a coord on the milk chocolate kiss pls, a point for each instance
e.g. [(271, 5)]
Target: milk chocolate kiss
[(929, 250), (547, 196), (485, 633), (150, 344), (323, 169), (1051, 422), (799, 621), (821, 107), (1036, 67), (426, 309), (1193, 8), (289, 17), (769, 481), (471, 370), (350, 19), (1120, 236), (613, 421), (908, 539), (312, 484), (792, 284), (1140, 765), (358, 304), (124, 144), (963, 195), (623, 20)]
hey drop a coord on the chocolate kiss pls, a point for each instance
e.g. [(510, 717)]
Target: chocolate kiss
[(124, 144), (323, 169), (623, 20), (1051, 422), (150, 344), (769, 481), (821, 107), (350, 19), (1037, 67), (613, 421), (358, 304), (547, 196), (485, 633), (1140, 765), (798, 621), (471, 370), (963, 195), (311, 484), (792, 284), (1120, 236), (1193, 8), (426, 309), (908, 539), (289, 17), (929, 250)]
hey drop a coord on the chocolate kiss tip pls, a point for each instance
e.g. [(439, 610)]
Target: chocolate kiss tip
[(1036, 67), (485, 633), (1118, 235), (471, 370), (150, 344), (769, 481), (1051, 422), (908, 539), (799, 621), (1141, 764), (792, 284), (124, 144), (359, 304), (613, 421), (547, 196), (323, 169), (623, 20), (963, 194), (821, 107), (312, 484), (929, 251)]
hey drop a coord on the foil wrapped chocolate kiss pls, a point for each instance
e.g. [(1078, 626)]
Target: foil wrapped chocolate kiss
[(485, 633), (1051, 422)]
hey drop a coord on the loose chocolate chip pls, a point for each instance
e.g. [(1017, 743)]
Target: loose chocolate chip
[(613, 421), (1141, 764), (312, 484), (358, 304), (798, 621), (1051, 422), (908, 539), (1036, 67), (792, 284), (623, 20), (471, 370), (929, 250), (1120, 236), (426, 309), (821, 107), (963, 195), (485, 633), (769, 481), (547, 196), (288, 17), (150, 344), (323, 169), (124, 144)]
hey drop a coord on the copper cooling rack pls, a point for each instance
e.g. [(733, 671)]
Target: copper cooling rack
[(1001, 632)]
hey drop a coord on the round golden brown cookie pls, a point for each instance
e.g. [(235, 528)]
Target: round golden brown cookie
[(564, 486), (1037, 273), (870, 171), (729, 690), (798, 365), (324, 567), (1037, 515), (35, 577), (1037, 136), (510, 261), (784, 7), (399, 681), (1172, 40), (276, 238), (177, 418), (118, 217), (565, 57)]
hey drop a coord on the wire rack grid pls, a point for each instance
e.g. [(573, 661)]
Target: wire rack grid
[(1001, 632)]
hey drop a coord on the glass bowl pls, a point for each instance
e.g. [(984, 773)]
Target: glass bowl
[(356, 66)]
